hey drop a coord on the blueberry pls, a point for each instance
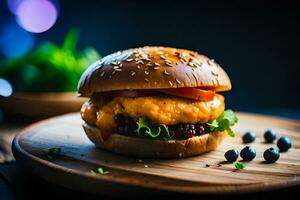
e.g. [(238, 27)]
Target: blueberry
[(284, 143), (270, 136), (231, 155), (249, 137), (271, 155), (248, 153)]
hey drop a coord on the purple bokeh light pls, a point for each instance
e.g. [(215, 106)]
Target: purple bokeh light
[(14, 4), (36, 15)]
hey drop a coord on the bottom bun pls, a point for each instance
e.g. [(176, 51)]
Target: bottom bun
[(146, 148)]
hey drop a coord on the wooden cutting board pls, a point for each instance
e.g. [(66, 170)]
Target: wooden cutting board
[(208, 173)]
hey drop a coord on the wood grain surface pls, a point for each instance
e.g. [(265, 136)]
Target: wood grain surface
[(26, 106), (132, 176)]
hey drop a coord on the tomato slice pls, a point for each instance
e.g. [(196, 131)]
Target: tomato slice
[(190, 93)]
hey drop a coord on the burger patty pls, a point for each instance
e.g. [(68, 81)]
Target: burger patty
[(162, 109)]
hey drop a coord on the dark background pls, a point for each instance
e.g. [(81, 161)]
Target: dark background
[(256, 42)]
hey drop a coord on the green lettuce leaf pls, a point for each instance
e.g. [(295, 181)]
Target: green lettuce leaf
[(146, 129), (224, 122)]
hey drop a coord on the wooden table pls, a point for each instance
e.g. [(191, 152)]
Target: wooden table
[(15, 182)]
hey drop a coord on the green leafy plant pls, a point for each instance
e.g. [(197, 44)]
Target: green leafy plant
[(239, 165), (224, 122), (99, 170), (49, 67), (168, 133), (146, 129), (53, 153)]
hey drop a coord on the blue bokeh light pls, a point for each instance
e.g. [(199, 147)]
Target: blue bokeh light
[(14, 41), (5, 88)]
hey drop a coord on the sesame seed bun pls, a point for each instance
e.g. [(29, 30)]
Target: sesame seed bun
[(147, 148), (153, 68)]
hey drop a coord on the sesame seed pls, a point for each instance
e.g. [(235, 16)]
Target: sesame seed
[(156, 64), (166, 73), (156, 68), (139, 67), (182, 60), (162, 57), (132, 73), (113, 72), (191, 64), (171, 84), (120, 65), (139, 62), (116, 67), (169, 64), (178, 81), (114, 63), (102, 73), (118, 70), (214, 73), (129, 59), (146, 80), (149, 64), (146, 166), (210, 62), (146, 72), (184, 54)]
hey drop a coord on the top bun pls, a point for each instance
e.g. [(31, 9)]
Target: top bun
[(153, 68)]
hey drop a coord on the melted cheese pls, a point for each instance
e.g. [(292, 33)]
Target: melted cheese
[(158, 109)]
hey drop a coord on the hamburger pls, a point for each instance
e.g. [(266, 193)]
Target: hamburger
[(156, 102)]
